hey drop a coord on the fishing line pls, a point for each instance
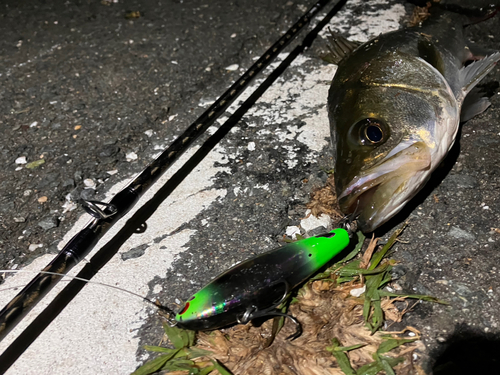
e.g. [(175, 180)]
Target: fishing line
[(63, 275)]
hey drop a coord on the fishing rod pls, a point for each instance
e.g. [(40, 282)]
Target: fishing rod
[(20, 344), (105, 215)]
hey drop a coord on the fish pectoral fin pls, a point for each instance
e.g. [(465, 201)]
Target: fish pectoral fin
[(473, 73), (474, 104), (339, 46)]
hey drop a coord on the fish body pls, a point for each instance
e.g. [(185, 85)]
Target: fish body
[(255, 286), (395, 105)]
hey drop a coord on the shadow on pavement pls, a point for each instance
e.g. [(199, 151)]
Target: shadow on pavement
[(468, 351)]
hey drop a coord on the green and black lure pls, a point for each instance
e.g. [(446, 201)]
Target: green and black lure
[(257, 286)]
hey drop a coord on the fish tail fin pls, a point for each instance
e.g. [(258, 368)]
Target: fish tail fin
[(473, 73)]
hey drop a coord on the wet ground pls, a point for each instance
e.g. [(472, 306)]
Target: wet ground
[(92, 91)]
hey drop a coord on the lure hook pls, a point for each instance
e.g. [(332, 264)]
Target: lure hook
[(298, 326), (252, 313)]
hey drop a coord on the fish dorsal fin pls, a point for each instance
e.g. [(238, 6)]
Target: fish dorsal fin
[(471, 74), (340, 47)]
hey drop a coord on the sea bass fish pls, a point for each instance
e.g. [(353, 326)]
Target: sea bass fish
[(395, 105)]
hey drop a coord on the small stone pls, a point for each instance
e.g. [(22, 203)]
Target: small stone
[(312, 222), (27, 193), (19, 219), (232, 67), (48, 222), (34, 246), (89, 183), (69, 205), (78, 127), (42, 199), (33, 124), (397, 287), (149, 132), (21, 160), (358, 291), (292, 231), (111, 173), (251, 146), (131, 156), (35, 164)]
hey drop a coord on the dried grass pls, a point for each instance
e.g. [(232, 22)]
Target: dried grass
[(325, 311), (420, 14), (324, 200)]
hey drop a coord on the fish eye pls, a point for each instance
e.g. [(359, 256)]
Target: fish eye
[(372, 132)]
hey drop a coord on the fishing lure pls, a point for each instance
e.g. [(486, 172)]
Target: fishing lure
[(257, 286)]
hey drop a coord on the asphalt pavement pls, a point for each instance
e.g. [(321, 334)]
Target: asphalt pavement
[(92, 91)]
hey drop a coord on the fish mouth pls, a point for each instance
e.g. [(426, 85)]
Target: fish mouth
[(378, 193)]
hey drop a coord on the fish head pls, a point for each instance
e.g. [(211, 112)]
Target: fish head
[(392, 120)]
